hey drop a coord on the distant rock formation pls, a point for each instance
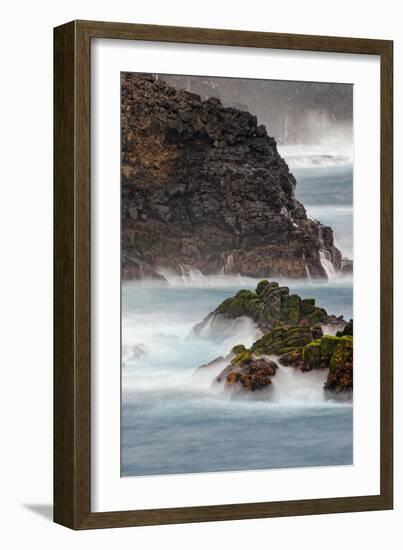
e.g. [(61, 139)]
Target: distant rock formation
[(204, 187), (346, 266)]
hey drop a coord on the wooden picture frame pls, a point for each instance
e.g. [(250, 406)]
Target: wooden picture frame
[(72, 270)]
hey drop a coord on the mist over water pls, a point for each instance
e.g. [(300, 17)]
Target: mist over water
[(175, 420)]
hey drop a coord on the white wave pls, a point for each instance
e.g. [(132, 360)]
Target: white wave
[(228, 265), (294, 387), (241, 330), (194, 278), (327, 264), (324, 154)]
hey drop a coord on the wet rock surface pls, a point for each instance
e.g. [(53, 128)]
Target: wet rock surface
[(292, 332), (246, 372), (272, 305), (204, 187)]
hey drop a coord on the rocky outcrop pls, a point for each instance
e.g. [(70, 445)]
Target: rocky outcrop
[(340, 377), (284, 340), (272, 305), (204, 187), (328, 352), (292, 335), (347, 330), (347, 266), (247, 373)]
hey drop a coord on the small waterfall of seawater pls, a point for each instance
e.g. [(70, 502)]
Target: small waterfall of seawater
[(228, 265), (327, 264), (190, 274), (293, 387)]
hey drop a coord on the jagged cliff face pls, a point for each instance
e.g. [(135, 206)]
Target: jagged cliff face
[(203, 186)]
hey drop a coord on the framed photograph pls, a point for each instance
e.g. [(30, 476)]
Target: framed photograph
[(222, 275)]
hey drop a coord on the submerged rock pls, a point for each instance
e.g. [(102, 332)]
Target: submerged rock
[(204, 186)]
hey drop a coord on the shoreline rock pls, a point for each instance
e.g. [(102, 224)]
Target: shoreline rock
[(272, 305), (204, 186), (247, 373), (292, 330)]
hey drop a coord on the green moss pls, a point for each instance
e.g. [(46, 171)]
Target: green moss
[(262, 286), (271, 306), (317, 316), (293, 300), (282, 340), (343, 353), (242, 357), (223, 307), (311, 354), (328, 345), (240, 348), (264, 345), (307, 306), (245, 294), (290, 308), (277, 332), (232, 307)]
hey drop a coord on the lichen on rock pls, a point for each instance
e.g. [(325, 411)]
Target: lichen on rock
[(272, 305), (292, 332)]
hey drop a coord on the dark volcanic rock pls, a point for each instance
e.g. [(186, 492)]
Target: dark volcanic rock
[(347, 266), (246, 372), (347, 330), (204, 186)]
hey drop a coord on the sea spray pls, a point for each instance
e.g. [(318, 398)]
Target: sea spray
[(327, 264), (291, 387), (175, 419)]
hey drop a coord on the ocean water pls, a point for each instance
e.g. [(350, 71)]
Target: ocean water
[(175, 421), (327, 194)]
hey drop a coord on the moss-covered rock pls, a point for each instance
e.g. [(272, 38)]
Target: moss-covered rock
[(240, 348), (340, 377), (290, 308), (328, 344), (307, 306), (271, 306), (242, 357), (347, 330), (319, 315), (292, 358), (242, 294), (281, 340), (311, 355), (262, 286), (248, 375)]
